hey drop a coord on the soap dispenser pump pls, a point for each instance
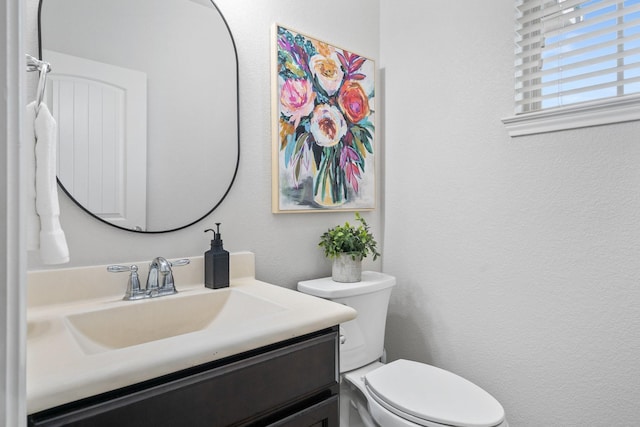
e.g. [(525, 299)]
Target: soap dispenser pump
[(216, 262)]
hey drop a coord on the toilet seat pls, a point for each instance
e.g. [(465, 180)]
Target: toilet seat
[(427, 395)]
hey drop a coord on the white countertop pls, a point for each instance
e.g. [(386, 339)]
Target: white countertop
[(59, 371)]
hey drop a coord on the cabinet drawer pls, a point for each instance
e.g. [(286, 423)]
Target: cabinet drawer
[(237, 393), (323, 414)]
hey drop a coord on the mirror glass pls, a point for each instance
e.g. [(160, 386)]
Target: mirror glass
[(145, 94)]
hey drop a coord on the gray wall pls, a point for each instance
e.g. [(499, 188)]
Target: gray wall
[(517, 259)]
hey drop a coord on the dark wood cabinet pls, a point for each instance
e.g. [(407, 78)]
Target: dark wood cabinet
[(289, 384)]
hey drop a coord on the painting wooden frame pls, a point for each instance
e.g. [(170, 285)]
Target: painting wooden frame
[(323, 129)]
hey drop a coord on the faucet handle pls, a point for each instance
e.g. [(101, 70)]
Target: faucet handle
[(121, 268), (134, 291), (180, 262)]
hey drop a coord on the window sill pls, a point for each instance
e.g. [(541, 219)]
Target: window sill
[(587, 114)]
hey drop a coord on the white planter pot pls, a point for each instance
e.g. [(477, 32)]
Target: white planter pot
[(346, 269)]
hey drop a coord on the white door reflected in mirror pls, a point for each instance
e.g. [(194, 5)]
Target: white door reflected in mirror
[(101, 112)]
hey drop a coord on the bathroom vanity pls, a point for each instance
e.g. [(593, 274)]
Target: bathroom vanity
[(250, 354), (292, 383)]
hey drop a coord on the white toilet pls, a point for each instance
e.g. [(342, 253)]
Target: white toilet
[(401, 393)]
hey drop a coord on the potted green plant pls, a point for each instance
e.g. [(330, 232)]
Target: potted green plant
[(347, 245)]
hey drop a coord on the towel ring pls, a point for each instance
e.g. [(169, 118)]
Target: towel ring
[(43, 67), (42, 84)]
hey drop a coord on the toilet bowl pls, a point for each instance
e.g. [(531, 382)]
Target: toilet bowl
[(402, 393)]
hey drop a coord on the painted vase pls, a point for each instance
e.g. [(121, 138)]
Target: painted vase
[(325, 195)]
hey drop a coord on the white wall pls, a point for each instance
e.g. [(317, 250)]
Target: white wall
[(285, 245), (517, 259)]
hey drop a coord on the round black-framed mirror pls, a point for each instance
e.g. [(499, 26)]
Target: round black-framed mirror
[(145, 94)]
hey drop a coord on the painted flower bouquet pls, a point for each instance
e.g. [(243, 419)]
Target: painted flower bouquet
[(326, 127)]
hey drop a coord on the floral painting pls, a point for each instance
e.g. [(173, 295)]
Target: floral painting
[(324, 126)]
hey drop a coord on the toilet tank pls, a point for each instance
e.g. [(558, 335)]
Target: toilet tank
[(362, 339)]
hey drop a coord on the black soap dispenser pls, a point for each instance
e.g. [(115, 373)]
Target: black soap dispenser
[(216, 262)]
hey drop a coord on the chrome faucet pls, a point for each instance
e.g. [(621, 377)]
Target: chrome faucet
[(159, 281)]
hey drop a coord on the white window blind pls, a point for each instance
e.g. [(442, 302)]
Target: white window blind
[(574, 51)]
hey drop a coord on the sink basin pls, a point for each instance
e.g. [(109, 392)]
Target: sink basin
[(138, 322)]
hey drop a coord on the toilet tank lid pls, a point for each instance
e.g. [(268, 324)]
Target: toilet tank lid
[(372, 281)]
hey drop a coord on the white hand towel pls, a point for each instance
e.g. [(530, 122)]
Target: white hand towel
[(29, 153), (53, 243)]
